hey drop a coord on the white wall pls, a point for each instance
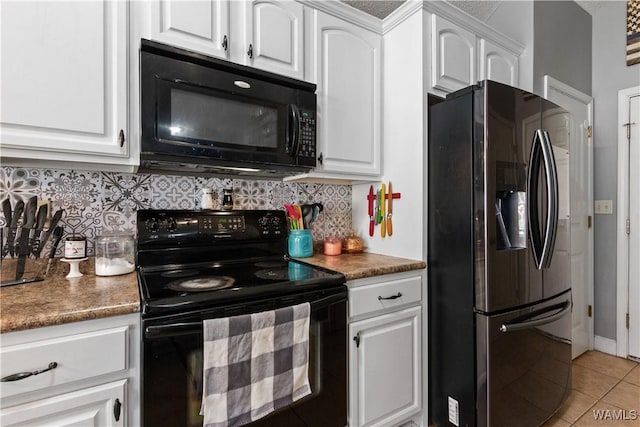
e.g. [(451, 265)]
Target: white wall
[(610, 74), (404, 121)]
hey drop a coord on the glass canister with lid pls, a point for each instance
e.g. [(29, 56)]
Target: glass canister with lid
[(114, 254)]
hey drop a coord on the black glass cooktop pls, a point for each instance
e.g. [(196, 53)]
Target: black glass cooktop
[(206, 285)]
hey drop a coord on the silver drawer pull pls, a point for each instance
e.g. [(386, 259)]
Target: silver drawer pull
[(22, 375), (396, 296)]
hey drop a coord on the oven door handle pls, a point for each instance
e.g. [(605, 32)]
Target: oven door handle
[(182, 328), (187, 328)]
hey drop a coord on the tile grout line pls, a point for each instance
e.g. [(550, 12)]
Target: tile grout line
[(602, 397)]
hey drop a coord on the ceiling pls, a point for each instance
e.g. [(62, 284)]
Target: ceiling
[(481, 9)]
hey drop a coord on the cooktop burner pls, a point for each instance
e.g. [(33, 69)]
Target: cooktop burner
[(273, 274), (202, 284)]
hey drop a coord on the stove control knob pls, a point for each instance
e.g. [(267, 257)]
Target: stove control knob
[(172, 225), (152, 225)]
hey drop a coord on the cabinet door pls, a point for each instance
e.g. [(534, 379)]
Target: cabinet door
[(199, 25), (64, 80), (274, 36), (453, 58), (99, 406), (385, 368), (498, 64), (345, 64)]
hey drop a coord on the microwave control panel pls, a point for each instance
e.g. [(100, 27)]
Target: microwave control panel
[(307, 135)]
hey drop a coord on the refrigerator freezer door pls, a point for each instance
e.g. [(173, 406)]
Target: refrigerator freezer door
[(523, 363)]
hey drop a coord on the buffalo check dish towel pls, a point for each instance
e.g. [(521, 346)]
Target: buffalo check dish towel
[(254, 364)]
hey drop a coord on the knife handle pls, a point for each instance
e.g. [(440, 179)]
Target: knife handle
[(389, 226), (371, 225), (383, 228)]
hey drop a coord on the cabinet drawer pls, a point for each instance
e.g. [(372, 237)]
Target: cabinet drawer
[(78, 357), (379, 296)]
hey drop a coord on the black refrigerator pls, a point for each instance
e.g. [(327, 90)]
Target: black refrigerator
[(499, 268)]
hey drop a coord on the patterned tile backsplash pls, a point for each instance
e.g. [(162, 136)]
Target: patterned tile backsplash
[(104, 202)]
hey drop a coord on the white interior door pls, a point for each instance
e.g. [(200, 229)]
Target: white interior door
[(581, 205), (628, 250), (633, 229)]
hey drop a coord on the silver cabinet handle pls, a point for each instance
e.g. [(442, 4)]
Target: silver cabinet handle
[(22, 375)]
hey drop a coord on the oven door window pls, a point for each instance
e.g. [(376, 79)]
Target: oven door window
[(212, 118), (172, 376)]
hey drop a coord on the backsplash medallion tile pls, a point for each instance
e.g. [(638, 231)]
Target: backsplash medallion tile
[(104, 202)]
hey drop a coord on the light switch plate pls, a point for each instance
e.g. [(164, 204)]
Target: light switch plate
[(603, 207)]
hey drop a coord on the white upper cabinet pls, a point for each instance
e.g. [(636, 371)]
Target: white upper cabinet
[(64, 82), (497, 64), (454, 55), (266, 34), (274, 34), (344, 62), (199, 25), (464, 52)]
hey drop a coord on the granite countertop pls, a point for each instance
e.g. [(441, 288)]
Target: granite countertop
[(359, 266), (58, 300)]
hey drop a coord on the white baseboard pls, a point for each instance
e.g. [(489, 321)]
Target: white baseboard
[(605, 345)]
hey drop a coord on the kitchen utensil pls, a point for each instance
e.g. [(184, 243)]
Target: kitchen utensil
[(57, 236), (23, 245), (389, 211), (6, 210), (372, 221), (41, 217), (292, 216), (13, 227), (383, 220), (317, 208), (52, 226), (299, 216), (307, 215)]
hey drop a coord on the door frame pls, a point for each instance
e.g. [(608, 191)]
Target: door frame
[(550, 85), (622, 271)]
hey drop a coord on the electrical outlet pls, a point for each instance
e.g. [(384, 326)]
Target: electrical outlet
[(603, 207)]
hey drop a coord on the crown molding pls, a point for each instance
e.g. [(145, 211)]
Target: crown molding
[(473, 24), (402, 13), (343, 11)]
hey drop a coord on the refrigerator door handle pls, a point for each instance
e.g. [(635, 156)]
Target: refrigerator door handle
[(521, 323), (533, 218), (542, 156), (551, 174)]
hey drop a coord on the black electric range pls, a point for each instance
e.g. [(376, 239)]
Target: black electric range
[(198, 265)]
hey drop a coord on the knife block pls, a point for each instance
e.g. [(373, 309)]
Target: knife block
[(33, 271)]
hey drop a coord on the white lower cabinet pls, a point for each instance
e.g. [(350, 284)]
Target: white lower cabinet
[(385, 353), (78, 374), (100, 406)]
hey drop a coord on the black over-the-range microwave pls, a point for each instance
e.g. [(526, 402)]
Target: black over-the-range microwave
[(205, 115)]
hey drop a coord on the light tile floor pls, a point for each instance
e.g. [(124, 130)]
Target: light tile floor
[(603, 385)]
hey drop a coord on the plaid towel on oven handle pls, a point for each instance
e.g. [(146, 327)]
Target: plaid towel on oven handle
[(254, 364)]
